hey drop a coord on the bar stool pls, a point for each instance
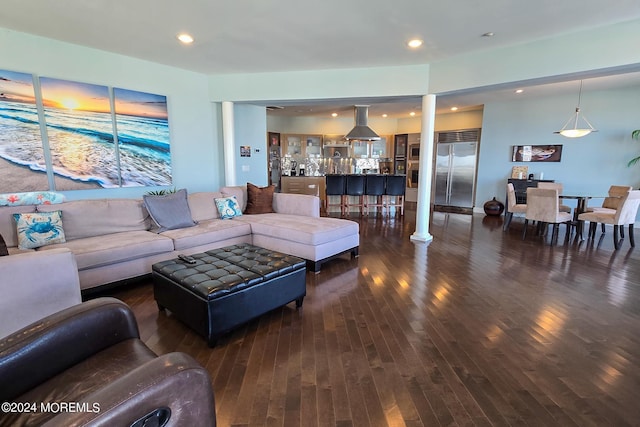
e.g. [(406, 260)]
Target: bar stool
[(355, 188), (394, 193), (374, 187), (335, 186)]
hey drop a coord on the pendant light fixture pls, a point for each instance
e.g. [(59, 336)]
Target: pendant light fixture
[(575, 126)]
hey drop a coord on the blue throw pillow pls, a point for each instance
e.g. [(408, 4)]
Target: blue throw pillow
[(170, 211), (228, 207), (39, 229)]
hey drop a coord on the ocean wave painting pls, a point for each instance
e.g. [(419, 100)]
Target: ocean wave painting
[(142, 127), (80, 133), (80, 149), (21, 147)]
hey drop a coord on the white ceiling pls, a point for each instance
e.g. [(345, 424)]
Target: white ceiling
[(248, 36)]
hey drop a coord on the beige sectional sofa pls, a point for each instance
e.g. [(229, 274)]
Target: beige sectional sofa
[(114, 239)]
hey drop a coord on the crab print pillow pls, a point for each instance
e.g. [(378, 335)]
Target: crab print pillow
[(39, 229)]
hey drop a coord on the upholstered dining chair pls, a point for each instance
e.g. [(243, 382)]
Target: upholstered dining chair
[(542, 206), (611, 203), (512, 206), (558, 186), (624, 215)]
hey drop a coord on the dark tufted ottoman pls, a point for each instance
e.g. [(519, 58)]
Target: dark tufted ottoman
[(228, 286)]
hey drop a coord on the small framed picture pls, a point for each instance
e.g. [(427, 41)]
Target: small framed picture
[(274, 138), (519, 172), (245, 151)]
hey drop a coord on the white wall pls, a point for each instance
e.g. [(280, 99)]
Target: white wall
[(193, 122)]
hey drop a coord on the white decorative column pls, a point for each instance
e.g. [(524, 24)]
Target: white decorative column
[(228, 136), (423, 212)]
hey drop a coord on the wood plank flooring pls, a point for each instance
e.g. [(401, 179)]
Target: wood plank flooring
[(477, 328)]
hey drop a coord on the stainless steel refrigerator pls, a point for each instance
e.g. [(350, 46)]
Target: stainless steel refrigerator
[(456, 162)]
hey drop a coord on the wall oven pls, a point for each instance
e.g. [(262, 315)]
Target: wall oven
[(414, 151), (413, 169)]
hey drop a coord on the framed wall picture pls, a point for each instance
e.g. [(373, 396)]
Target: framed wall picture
[(536, 153), (274, 138), (245, 151)]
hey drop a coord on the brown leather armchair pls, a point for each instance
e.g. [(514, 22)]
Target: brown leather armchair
[(86, 365)]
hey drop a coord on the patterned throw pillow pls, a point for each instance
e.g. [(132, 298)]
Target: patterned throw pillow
[(259, 199), (39, 229), (31, 198), (228, 207)]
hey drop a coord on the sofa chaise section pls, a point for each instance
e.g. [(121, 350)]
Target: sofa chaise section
[(296, 228), (314, 239)]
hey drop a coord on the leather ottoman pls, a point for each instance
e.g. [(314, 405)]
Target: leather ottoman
[(227, 287)]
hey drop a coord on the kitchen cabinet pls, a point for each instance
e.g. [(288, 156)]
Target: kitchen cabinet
[(333, 139), (302, 145), (400, 154), (313, 185), (371, 149), (360, 149), (380, 149)]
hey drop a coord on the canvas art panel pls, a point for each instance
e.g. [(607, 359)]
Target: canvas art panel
[(22, 162), (80, 134), (142, 128)]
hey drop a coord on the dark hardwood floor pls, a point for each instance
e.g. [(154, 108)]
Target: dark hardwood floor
[(477, 328)]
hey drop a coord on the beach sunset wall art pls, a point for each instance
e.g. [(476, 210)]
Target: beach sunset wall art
[(142, 125), (79, 134), (22, 162)]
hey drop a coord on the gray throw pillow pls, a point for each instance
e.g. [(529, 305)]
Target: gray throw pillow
[(170, 211)]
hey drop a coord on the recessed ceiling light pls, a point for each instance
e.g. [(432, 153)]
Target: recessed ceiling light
[(413, 113), (519, 90), (185, 38), (385, 115), (415, 43), (454, 108), (334, 114), (489, 34)]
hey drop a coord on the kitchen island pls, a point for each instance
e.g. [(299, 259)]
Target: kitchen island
[(316, 185)]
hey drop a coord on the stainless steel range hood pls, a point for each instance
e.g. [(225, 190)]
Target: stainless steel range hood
[(362, 131)]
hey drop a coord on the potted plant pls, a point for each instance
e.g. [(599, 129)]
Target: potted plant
[(163, 192), (635, 135)]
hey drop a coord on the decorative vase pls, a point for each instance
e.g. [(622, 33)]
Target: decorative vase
[(493, 207)]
